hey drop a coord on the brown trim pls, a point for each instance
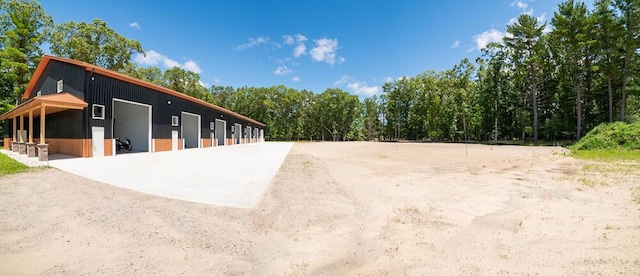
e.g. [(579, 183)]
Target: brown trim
[(229, 141), (7, 143), (108, 147), (96, 69), (180, 146), (14, 122), (87, 148), (215, 142), (73, 147), (55, 102), (163, 145), (206, 142)]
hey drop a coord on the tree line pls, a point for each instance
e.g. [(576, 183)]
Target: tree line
[(546, 80)]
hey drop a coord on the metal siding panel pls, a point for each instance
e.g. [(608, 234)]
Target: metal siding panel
[(65, 124), (72, 76), (104, 89), (8, 128)]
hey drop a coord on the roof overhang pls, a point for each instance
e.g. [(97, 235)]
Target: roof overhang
[(53, 103)]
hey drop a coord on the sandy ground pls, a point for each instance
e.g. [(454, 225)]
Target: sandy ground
[(341, 208)]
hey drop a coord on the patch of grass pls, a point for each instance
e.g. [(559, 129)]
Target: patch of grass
[(9, 166), (616, 136), (541, 143), (607, 155), (610, 142)]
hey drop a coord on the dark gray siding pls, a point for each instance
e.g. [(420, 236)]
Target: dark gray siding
[(72, 76), (8, 129), (59, 125), (102, 90)]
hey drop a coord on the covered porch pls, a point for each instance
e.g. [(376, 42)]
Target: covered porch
[(37, 109)]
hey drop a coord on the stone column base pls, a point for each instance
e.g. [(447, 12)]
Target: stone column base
[(31, 150), (43, 152), (14, 146), (22, 148)]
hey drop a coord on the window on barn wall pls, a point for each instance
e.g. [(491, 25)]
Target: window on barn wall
[(212, 125), (174, 120), (59, 86), (98, 111)]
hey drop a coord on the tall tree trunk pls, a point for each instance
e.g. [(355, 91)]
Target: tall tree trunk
[(609, 88), (578, 106), (534, 96), (495, 123), (623, 98)]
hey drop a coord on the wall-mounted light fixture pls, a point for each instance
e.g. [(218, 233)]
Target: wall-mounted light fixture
[(168, 102)]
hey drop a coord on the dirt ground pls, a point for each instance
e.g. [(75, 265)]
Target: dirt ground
[(342, 208)]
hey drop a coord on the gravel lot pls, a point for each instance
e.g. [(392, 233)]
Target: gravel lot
[(341, 208)]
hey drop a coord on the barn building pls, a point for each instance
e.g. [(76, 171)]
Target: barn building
[(80, 109)]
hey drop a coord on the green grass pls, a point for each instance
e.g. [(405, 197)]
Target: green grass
[(9, 166), (607, 155), (616, 136), (610, 142)]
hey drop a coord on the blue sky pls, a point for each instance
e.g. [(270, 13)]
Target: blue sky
[(352, 45)]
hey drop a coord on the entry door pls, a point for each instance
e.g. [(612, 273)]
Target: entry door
[(174, 140), (97, 141), (238, 133), (221, 132)]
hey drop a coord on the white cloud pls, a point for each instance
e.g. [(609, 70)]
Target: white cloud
[(301, 38), (289, 40), (216, 81), (325, 51), (150, 58), (253, 42), (542, 18), (360, 88), (170, 63), (192, 66), (135, 25), (344, 79), (298, 40), (295, 79), (155, 59), (357, 87), (487, 37), (519, 4), (282, 71), (299, 50), (455, 44)]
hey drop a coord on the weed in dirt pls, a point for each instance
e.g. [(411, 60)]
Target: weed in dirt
[(411, 215)]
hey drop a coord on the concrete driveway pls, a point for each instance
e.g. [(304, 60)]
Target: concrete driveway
[(234, 176)]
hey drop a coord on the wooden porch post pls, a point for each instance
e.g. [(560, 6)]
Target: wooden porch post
[(31, 126), (42, 142), (15, 128), (21, 127)]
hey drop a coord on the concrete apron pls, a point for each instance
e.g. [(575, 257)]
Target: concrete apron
[(234, 176)]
